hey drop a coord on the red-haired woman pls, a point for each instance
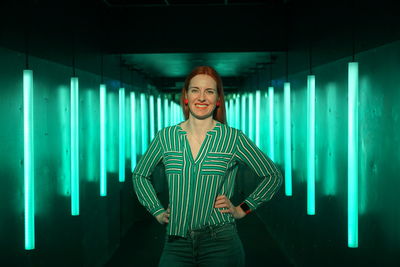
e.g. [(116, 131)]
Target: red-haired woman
[(201, 157)]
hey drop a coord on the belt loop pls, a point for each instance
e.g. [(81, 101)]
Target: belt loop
[(212, 230)]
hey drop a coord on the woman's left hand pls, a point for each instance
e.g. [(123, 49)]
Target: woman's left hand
[(223, 202)]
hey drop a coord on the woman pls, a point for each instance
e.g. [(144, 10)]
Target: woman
[(201, 157)]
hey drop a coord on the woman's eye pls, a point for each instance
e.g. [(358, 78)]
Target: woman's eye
[(210, 92)]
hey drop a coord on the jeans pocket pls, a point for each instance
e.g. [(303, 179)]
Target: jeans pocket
[(225, 233)]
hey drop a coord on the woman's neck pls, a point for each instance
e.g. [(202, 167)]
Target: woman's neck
[(199, 127)]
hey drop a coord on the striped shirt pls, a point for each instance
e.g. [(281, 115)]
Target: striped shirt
[(194, 184)]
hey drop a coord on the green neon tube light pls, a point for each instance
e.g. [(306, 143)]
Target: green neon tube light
[(243, 112), (288, 143), (166, 110), (144, 120), (353, 155), (74, 146), (311, 145), (271, 123), (231, 113), (173, 113), (152, 117), (258, 121), (227, 111), (251, 116), (159, 112), (122, 134), (29, 172), (103, 162), (237, 111), (133, 131)]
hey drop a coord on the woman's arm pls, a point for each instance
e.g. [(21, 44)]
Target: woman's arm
[(141, 177), (271, 178)]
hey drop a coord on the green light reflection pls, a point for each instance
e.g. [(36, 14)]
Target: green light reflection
[(64, 184)]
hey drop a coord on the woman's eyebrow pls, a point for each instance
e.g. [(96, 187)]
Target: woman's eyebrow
[(204, 89)]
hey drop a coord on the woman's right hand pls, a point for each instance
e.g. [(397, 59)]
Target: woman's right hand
[(163, 218)]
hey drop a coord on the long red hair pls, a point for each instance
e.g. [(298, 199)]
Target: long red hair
[(219, 112)]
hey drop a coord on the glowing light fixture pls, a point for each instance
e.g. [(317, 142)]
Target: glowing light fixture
[(243, 111), (271, 123), (231, 113), (237, 111), (288, 143), (29, 172), (122, 134), (143, 105), (258, 121), (251, 116), (159, 112), (311, 145), (74, 146), (353, 155), (133, 131), (152, 117), (166, 113), (103, 162)]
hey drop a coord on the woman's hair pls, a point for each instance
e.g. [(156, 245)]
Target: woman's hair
[(219, 112)]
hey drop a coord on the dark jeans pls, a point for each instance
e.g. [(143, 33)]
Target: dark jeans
[(210, 246)]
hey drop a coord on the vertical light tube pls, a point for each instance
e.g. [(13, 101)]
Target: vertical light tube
[(353, 156), (231, 113), (258, 110), (144, 118), (237, 111), (251, 116), (243, 112), (166, 112), (288, 141), (271, 123), (311, 145), (103, 160), (122, 134), (29, 171), (74, 146), (133, 131), (173, 113), (152, 117), (159, 112), (227, 112)]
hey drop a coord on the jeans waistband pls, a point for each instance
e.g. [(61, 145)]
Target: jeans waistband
[(206, 229), (209, 228)]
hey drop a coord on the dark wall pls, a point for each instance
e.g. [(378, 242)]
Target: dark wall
[(321, 239), (61, 239)]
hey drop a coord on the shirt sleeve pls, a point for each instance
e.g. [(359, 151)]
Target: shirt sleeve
[(141, 177), (271, 178)]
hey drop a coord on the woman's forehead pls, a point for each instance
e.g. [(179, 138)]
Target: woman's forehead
[(203, 80)]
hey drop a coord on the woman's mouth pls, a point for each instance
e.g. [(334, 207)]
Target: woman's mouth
[(201, 106)]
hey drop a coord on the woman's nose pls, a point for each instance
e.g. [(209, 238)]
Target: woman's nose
[(202, 96)]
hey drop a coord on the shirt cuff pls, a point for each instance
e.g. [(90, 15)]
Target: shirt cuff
[(251, 203), (157, 211)]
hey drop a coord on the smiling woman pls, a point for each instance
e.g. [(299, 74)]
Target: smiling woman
[(201, 157)]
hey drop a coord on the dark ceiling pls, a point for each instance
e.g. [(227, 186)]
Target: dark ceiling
[(164, 39)]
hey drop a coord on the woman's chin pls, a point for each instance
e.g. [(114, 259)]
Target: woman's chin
[(201, 116)]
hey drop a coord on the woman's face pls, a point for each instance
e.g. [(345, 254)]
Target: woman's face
[(202, 96)]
